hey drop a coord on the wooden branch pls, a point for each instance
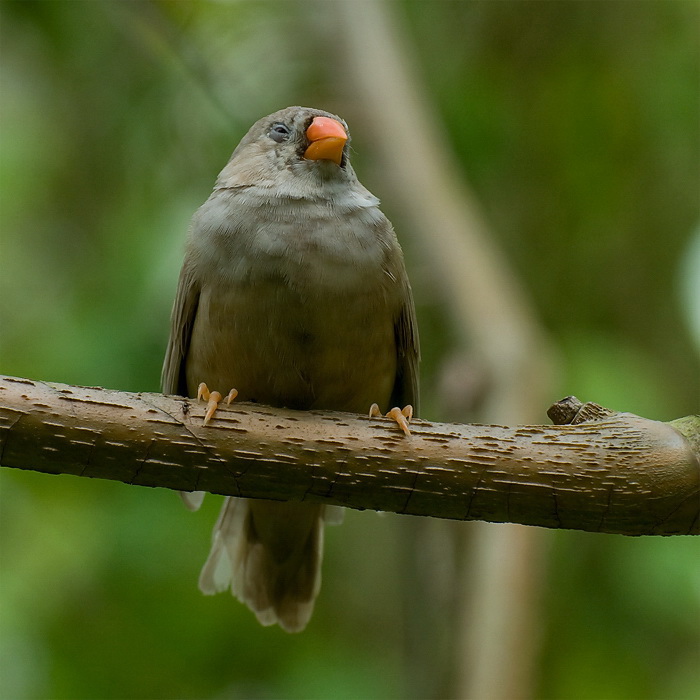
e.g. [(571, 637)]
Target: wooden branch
[(607, 472)]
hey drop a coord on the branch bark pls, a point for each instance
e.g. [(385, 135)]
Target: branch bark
[(611, 472)]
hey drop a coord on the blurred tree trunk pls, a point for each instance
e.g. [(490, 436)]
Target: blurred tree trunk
[(498, 332)]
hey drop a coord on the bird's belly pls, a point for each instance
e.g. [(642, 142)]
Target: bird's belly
[(317, 348)]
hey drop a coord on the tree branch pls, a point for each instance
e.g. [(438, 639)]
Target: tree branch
[(606, 472)]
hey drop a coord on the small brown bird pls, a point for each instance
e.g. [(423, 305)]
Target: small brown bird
[(294, 291)]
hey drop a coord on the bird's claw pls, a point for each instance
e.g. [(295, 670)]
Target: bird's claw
[(213, 398), (401, 415)]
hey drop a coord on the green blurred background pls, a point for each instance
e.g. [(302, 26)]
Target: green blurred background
[(576, 124)]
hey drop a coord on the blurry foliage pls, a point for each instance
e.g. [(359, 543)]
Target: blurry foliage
[(577, 126)]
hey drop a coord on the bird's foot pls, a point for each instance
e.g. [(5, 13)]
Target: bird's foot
[(213, 399), (401, 415)]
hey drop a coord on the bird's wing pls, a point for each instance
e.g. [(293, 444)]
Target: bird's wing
[(408, 349), (173, 380)]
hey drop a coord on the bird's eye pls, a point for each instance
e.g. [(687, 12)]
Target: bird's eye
[(279, 132)]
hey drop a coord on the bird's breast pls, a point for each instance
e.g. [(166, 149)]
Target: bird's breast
[(299, 316)]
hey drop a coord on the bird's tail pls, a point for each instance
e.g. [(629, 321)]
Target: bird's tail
[(269, 554)]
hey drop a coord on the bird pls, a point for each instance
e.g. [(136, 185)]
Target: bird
[(293, 293)]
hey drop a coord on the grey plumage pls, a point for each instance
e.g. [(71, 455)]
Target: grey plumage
[(293, 290)]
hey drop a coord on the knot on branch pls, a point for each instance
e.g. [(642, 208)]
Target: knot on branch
[(571, 411)]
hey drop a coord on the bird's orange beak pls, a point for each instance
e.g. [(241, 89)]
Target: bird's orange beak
[(327, 138)]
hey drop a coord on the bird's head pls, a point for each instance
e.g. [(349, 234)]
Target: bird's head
[(296, 151)]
